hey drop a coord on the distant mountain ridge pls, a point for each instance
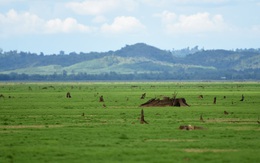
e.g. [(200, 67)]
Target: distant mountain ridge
[(134, 59)]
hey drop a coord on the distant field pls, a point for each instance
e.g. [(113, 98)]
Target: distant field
[(39, 124)]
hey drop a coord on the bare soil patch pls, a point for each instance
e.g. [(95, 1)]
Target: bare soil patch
[(166, 101)]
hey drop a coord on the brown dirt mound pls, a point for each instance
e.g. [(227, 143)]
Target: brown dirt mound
[(190, 127), (166, 101)]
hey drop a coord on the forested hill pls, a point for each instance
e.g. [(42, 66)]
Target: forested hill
[(138, 61)]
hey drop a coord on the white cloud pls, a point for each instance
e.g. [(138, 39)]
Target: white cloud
[(196, 23), (14, 23), (256, 30), (92, 7), (165, 3), (100, 7), (4, 2), (123, 24), (99, 19), (66, 26), (200, 1), (167, 17)]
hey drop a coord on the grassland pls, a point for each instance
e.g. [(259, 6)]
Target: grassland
[(39, 124)]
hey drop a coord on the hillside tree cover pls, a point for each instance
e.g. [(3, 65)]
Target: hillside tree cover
[(132, 62)]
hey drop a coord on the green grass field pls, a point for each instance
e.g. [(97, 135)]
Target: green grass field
[(39, 124)]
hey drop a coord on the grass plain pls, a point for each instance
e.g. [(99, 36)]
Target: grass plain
[(39, 124)]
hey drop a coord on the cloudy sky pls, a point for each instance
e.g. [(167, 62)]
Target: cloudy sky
[(49, 26)]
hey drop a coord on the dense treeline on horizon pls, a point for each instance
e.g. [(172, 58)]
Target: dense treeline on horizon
[(132, 62), (112, 76)]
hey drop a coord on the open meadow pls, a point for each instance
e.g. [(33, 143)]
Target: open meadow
[(38, 123)]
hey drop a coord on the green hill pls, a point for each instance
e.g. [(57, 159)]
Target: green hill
[(136, 59), (121, 65)]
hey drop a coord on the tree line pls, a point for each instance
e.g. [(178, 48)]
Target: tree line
[(217, 75)]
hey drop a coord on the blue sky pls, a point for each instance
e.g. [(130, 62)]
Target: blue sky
[(49, 26)]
